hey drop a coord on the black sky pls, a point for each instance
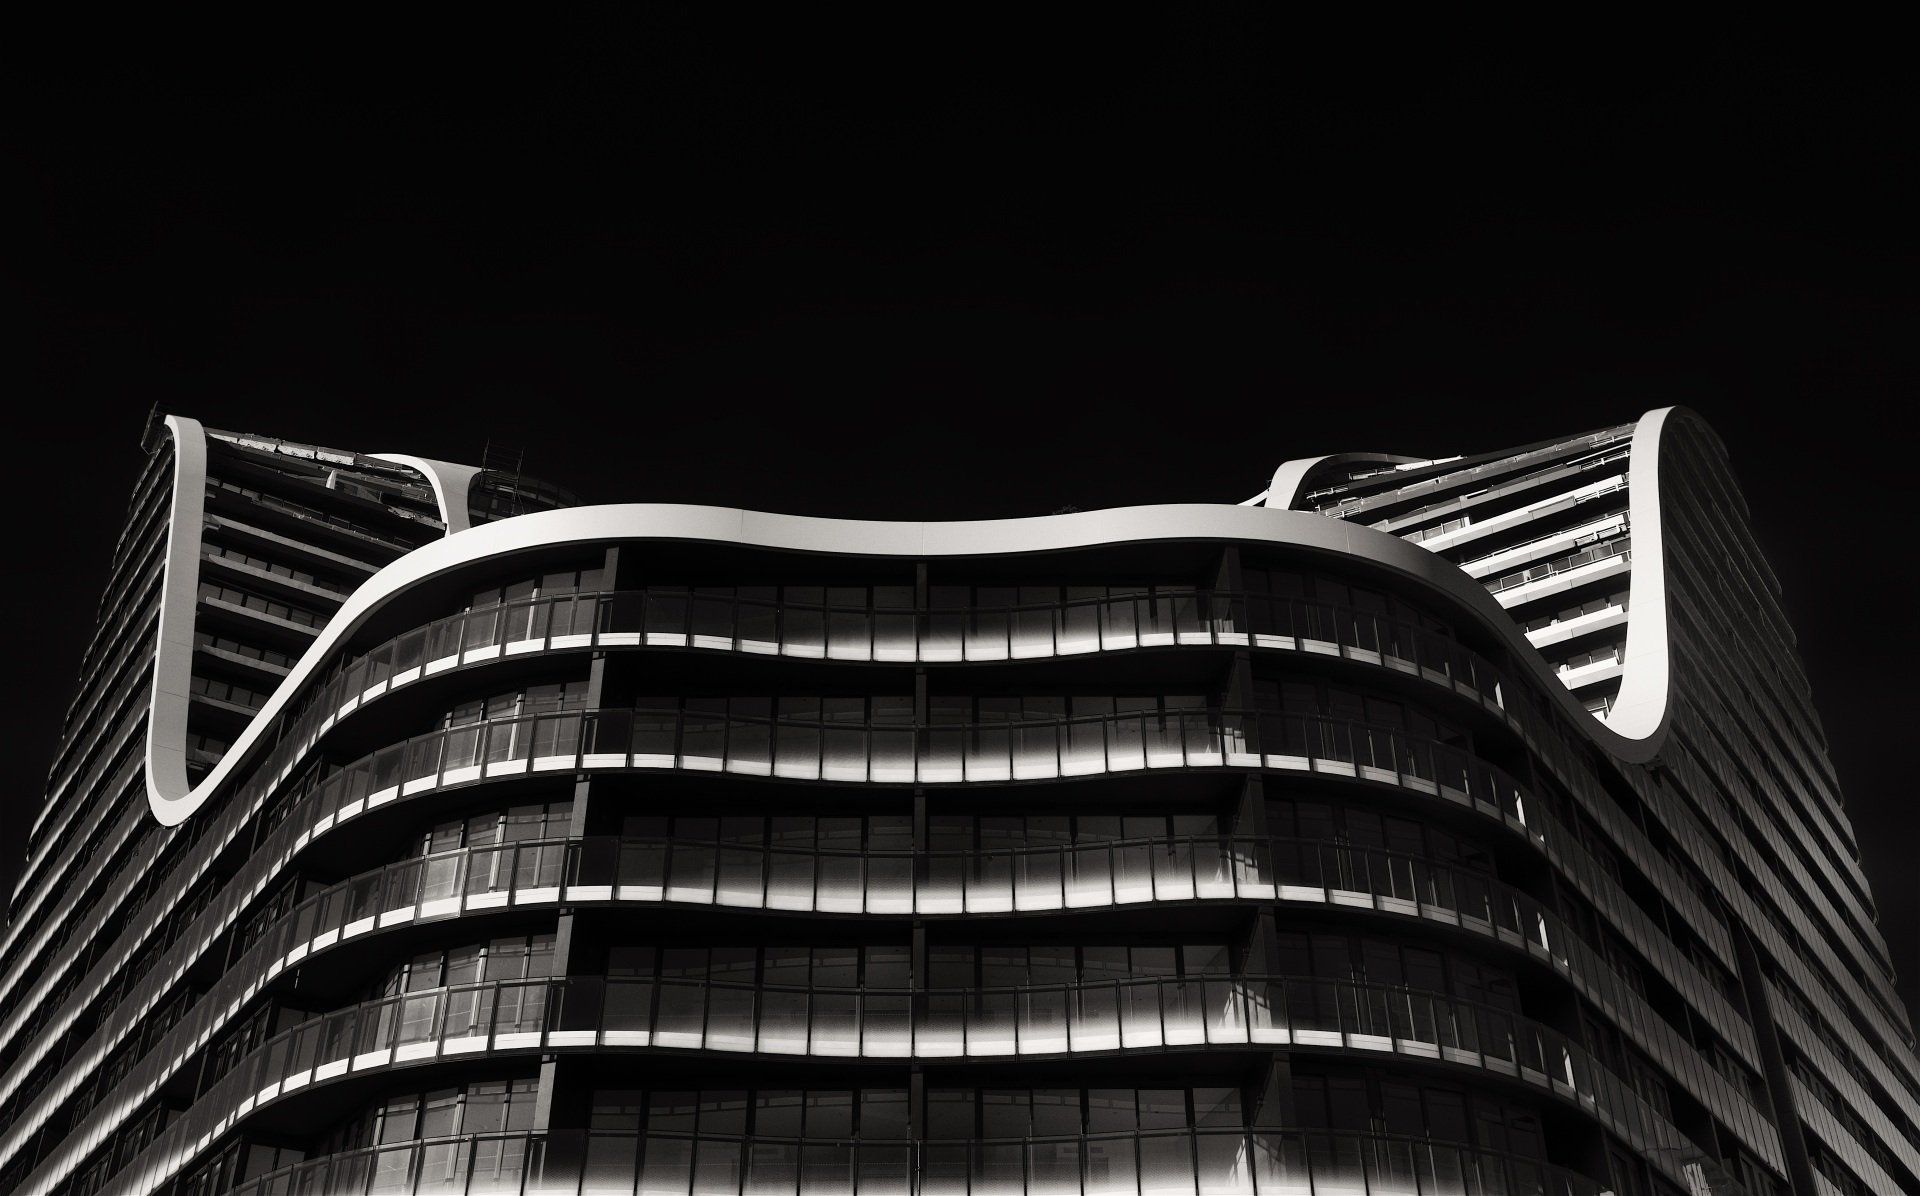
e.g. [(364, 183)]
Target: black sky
[(991, 270)]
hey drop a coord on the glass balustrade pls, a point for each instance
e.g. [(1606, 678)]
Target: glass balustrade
[(823, 751), (870, 752), (834, 751), (1086, 875), (1141, 1013), (683, 618), (826, 882), (897, 753), (1621, 547), (1206, 1161), (678, 618), (629, 739)]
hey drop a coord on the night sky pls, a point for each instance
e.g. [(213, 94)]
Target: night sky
[(983, 270)]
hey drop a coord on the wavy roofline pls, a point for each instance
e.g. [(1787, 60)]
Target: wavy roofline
[(173, 799), (166, 748), (1641, 710)]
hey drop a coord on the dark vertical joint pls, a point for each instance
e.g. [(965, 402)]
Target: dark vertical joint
[(1773, 1061)]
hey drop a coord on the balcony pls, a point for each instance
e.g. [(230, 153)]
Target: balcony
[(645, 871), (623, 740), (1173, 1162), (593, 1014), (609, 872), (726, 623), (905, 753)]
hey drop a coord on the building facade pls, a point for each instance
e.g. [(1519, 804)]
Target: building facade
[(1457, 826)]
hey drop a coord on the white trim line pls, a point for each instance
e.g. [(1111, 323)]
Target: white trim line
[(179, 596), (1641, 710), (451, 484), (172, 800)]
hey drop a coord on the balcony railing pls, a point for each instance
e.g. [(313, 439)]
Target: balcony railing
[(843, 752), (1344, 506), (1622, 546), (660, 869), (679, 618), (1092, 1016), (927, 883), (828, 751), (906, 753), (1109, 623), (1222, 1161), (1035, 878), (220, 489), (1508, 486)]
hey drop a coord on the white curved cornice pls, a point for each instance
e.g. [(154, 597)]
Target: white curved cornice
[(451, 484), (170, 698), (1284, 490), (179, 597), (1641, 710), (173, 800)]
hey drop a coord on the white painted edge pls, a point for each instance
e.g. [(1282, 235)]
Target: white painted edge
[(171, 695), (1641, 710), (179, 596), (1284, 490), (451, 485), (172, 800)]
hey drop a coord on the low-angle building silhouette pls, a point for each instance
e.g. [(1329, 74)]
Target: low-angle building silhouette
[(1449, 826)]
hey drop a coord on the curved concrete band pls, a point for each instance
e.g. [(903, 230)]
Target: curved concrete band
[(1635, 735), (451, 484), (1638, 718)]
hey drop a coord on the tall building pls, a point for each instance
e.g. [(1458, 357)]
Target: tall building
[(1453, 827)]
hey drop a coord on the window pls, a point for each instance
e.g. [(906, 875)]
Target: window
[(535, 699), (883, 966), (1374, 1102), (476, 1108), (227, 691), (272, 607), (1015, 965), (233, 647), (515, 957), (516, 824), (276, 568), (547, 585), (1375, 960)]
